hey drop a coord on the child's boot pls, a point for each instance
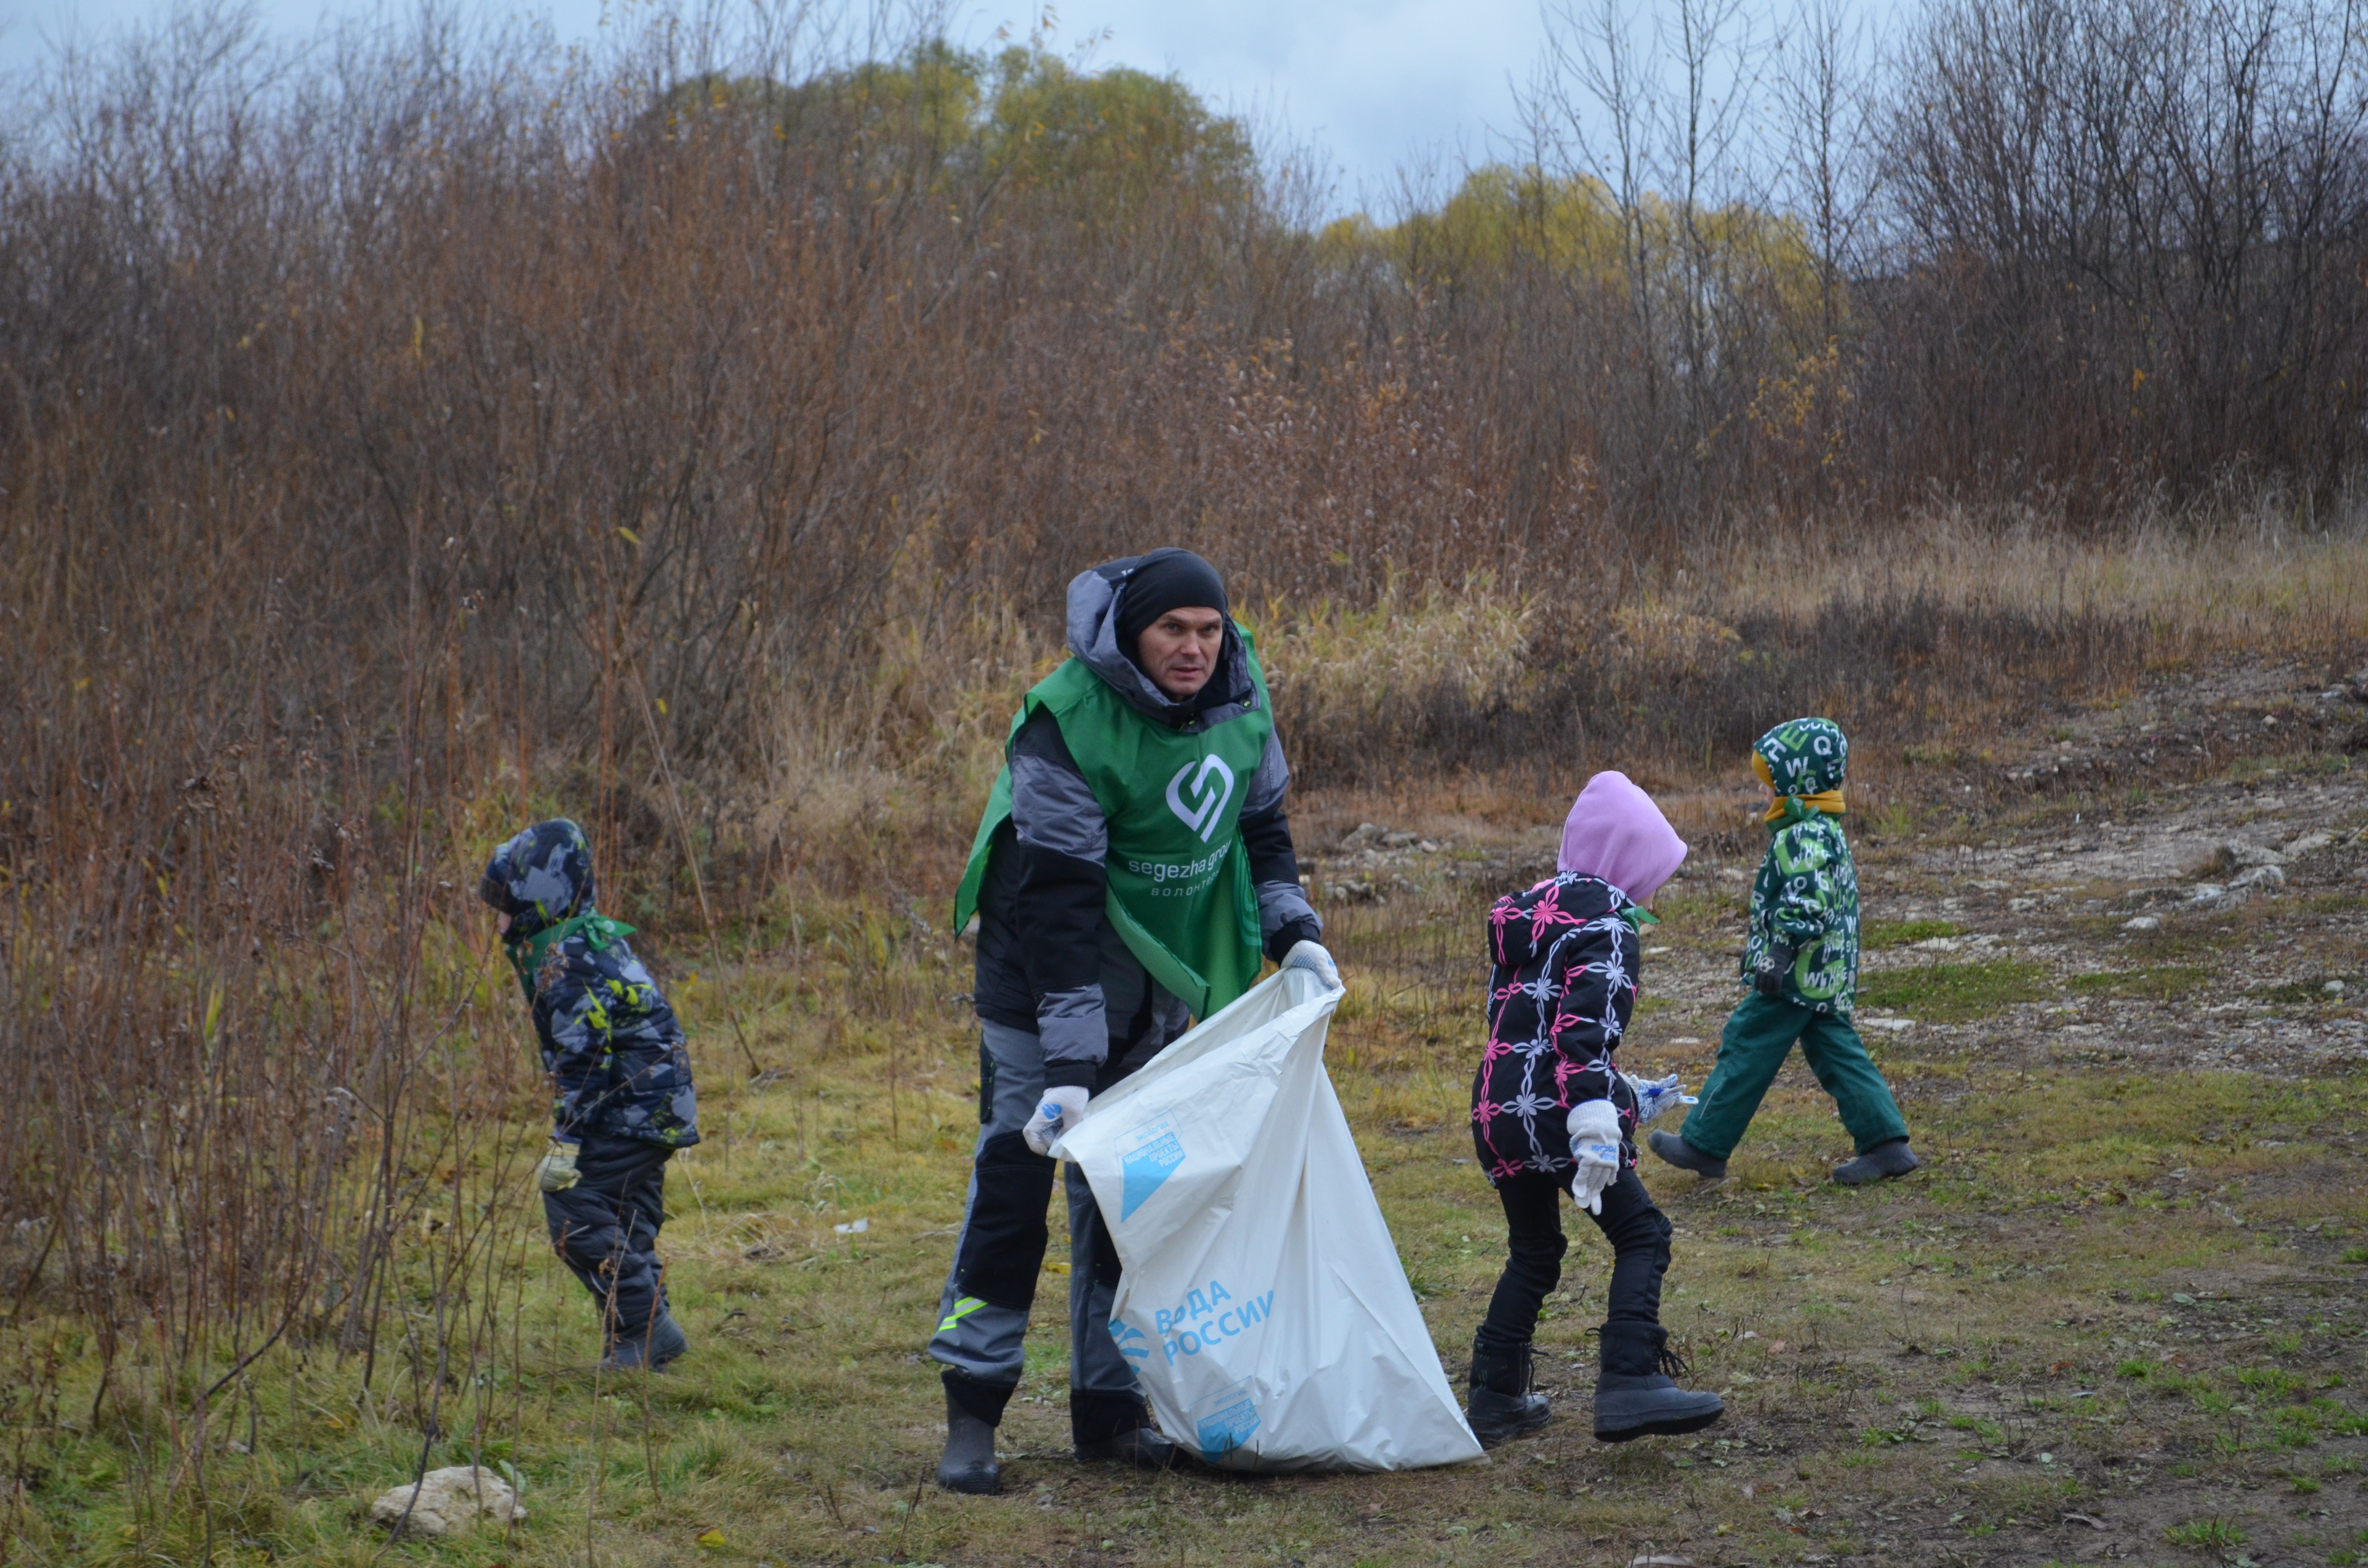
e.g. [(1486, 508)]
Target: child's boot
[(1635, 1397), (650, 1350), (1674, 1149), (1891, 1159), (1502, 1405)]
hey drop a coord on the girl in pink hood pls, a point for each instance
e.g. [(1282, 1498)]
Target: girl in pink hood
[(1551, 1114)]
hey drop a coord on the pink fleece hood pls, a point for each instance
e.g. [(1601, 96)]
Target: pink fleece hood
[(1615, 832)]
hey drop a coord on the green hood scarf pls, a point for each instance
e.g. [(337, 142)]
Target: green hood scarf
[(1181, 895), (526, 955)]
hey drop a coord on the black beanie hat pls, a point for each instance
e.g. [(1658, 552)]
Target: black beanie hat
[(1161, 581)]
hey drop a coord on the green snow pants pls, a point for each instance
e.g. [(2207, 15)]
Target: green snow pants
[(1758, 1036)]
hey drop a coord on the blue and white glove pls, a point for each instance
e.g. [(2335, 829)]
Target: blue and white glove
[(1310, 957), (1595, 1144), (1654, 1095), (1060, 1108)]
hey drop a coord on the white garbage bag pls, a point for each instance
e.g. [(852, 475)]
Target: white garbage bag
[(1263, 1303)]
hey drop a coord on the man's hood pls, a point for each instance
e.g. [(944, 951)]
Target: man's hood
[(1093, 638)]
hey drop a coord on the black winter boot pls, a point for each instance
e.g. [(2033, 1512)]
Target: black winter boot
[(972, 1410), (1686, 1158), (1502, 1407), (1891, 1159), (1116, 1428), (651, 1349), (1635, 1396)]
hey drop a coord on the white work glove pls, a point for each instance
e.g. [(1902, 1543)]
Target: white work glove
[(1060, 1109), (1595, 1144), (1310, 957), (556, 1172), (1654, 1095)]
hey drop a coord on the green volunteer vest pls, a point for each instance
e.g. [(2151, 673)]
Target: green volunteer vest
[(1181, 895)]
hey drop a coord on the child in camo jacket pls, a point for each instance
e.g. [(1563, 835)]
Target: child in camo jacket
[(623, 1099), (1551, 1114), (1801, 961)]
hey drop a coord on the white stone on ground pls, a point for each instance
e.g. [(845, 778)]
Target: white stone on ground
[(450, 1499)]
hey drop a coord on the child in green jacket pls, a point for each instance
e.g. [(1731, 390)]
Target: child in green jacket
[(1801, 961)]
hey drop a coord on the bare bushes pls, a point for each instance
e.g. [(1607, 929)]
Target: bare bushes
[(1657, 688)]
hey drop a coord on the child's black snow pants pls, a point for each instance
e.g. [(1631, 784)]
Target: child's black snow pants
[(606, 1228), (1639, 1234)]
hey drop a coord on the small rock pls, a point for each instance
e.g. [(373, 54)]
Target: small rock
[(1401, 840), (448, 1500), (2143, 923), (2332, 988), (2263, 876), (1366, 834), (2239, 854), (1894, 1025), (2205, 892), (2309, 844)]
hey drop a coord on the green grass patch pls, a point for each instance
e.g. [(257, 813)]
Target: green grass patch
[(2205, 1535), (1954, 993), (1877, 935)]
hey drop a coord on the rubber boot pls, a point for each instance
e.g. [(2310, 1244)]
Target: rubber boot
[(1675, 1151), (651, 1350), (1635, 1396), (968, 1465), (1502, 1407), (1116, 1429), (1891, 1159)]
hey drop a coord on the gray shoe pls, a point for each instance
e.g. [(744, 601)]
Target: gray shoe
[(1891, 1159), (968, 1465), (1675, 1151), (1627, 1407), (650, 1350)]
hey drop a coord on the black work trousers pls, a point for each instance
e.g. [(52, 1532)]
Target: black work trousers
[(1639, 1234), (606, 1230)]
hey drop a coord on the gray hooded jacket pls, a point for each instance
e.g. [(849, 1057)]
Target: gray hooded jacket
[(1048, 960)]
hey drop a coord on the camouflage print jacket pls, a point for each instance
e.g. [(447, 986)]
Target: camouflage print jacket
[(611, 1043), (1805, 896)]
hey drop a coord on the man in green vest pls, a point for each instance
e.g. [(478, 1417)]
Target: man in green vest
[(1133, 869)]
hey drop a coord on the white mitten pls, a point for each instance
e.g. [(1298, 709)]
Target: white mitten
[(1595, 1144), (1059, 1109)]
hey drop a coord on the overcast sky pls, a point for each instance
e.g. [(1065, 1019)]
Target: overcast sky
[(1377, 84)]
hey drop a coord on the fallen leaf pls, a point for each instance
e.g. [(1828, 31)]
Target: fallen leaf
[(2091, 1520), (711, 1539), (2059, 1367)]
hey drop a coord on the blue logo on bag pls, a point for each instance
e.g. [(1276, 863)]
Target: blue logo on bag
[(1149, 1155), (1224, 1421)]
